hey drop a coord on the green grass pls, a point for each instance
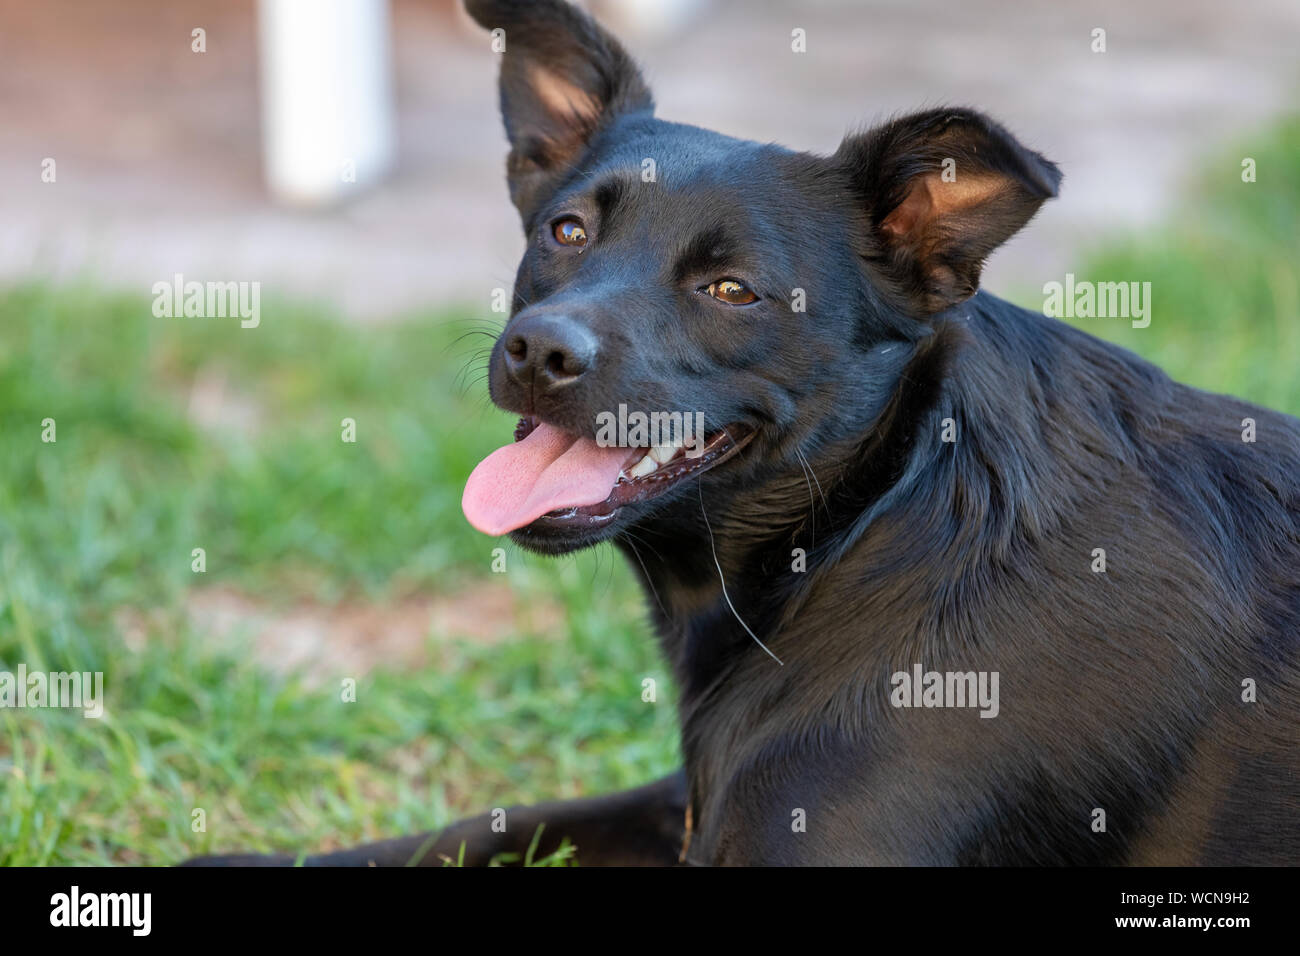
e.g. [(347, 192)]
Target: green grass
[(97, 529), (1225, 283), (106, 517)]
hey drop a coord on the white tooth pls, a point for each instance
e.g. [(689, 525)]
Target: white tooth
[(622, 475), (643, 467), (696, 449), (663, 453)]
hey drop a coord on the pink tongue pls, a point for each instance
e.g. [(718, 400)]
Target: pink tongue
[(549, 469)]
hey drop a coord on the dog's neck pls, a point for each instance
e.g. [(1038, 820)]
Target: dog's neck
[(724, 568), (724, 571)]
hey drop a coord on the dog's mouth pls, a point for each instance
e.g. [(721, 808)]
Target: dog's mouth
[(562, 481)]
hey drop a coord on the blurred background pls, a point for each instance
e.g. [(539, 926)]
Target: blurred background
[(347, 155)]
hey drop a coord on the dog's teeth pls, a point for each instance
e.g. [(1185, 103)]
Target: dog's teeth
[(643, 467), (695, 450), (622, 475), (663, 453)]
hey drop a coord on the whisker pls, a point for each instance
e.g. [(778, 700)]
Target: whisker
[(812, 502), (712, 547), (627, 535), (654, 591), (644, 541), (464, 335)]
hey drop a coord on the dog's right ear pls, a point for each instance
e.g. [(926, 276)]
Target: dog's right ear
[(562, 79), (942, 190)]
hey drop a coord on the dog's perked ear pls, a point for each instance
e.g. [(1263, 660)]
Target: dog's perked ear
[(562, 79), (942, 189)]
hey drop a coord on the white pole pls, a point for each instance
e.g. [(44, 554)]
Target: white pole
[(327, 108)]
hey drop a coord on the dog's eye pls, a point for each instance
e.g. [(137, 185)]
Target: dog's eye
[(731, 291), (570, 232)]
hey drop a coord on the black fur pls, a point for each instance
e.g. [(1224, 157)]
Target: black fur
[(1120, 691)]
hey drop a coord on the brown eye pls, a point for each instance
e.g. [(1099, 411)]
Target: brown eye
[(570, 232), (731, 291)]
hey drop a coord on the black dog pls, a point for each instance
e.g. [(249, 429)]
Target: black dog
[(911, 494)]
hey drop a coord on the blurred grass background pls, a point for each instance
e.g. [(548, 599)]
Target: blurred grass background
[(97, 529), (1224, 277)]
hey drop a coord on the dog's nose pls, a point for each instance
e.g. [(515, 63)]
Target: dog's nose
[(549, 351)]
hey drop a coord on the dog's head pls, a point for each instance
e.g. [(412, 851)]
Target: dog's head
[(678, 276)]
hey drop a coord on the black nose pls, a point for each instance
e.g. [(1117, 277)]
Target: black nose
[(549, 351)]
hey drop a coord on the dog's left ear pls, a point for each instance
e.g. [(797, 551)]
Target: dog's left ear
[(562, 79), (942, 189)]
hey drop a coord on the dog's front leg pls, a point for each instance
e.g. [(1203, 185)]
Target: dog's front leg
[(640, 827)]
